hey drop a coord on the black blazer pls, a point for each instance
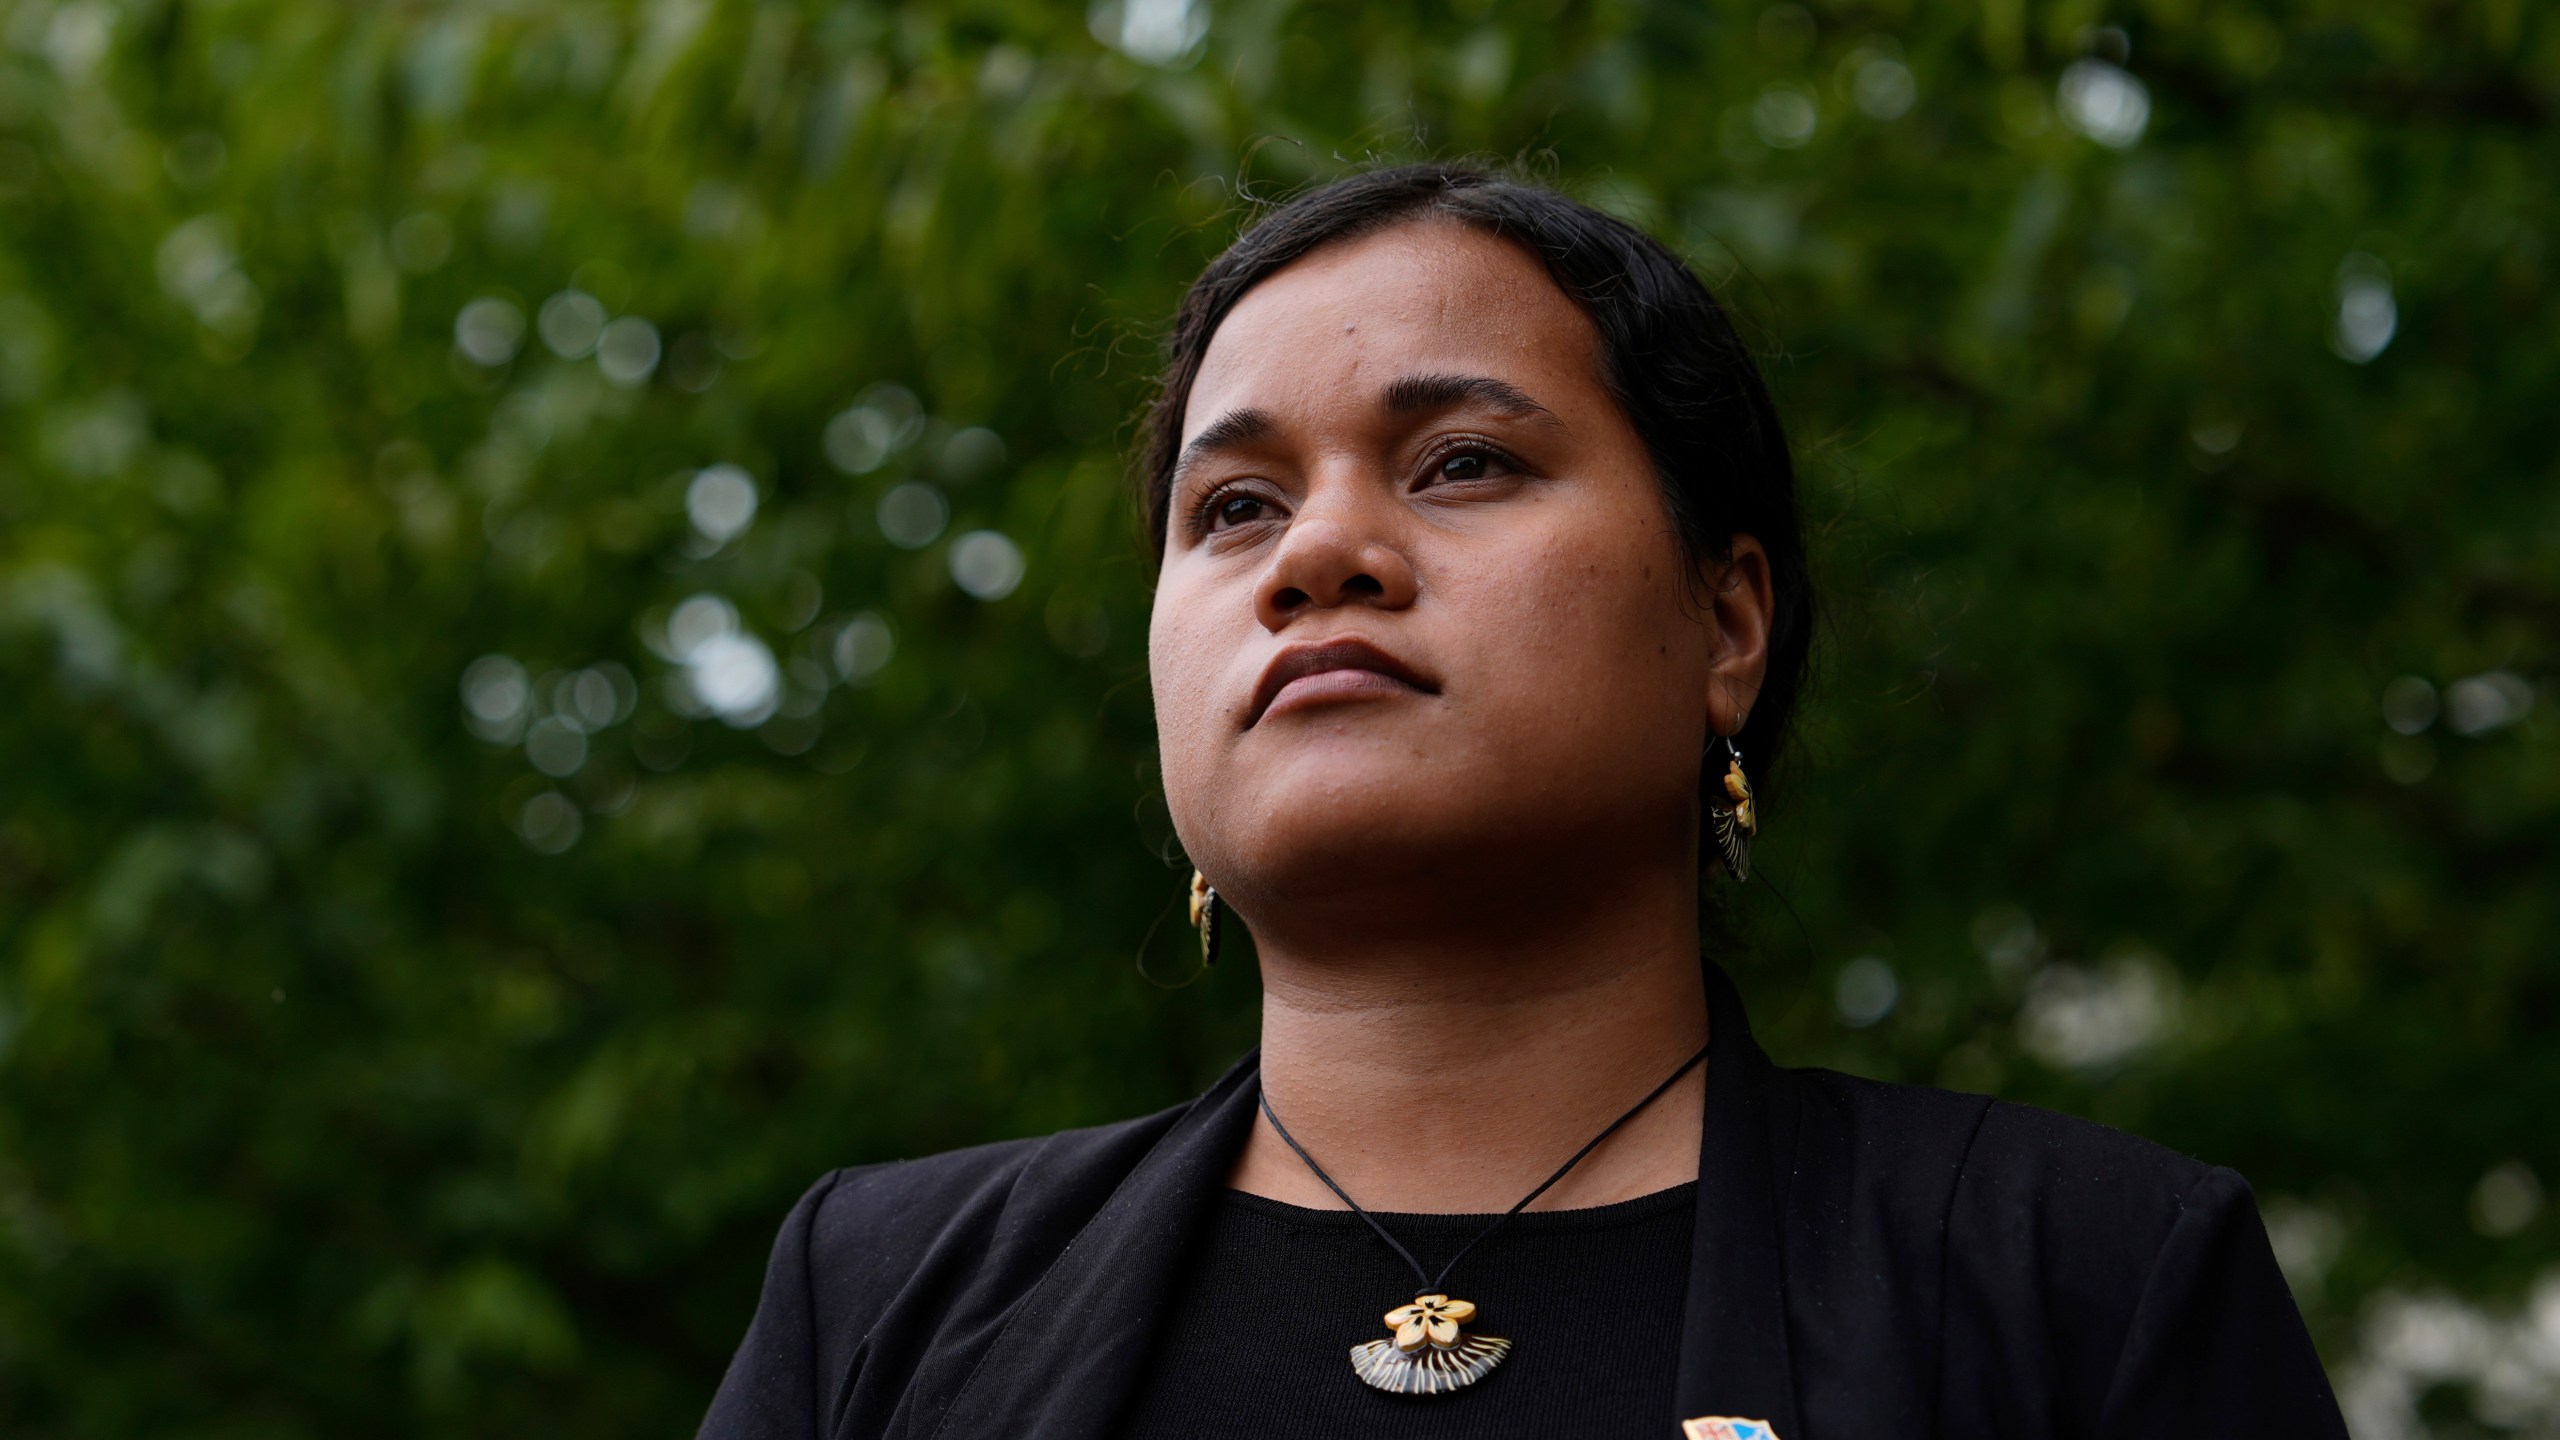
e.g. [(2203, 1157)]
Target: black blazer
[(1873, 1262)]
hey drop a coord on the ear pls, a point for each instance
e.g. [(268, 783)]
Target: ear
[(1742, 602)]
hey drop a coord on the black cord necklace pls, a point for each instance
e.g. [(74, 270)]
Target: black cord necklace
[(1429, 1353)]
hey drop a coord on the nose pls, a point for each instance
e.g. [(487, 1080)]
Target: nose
[(1334, 555)]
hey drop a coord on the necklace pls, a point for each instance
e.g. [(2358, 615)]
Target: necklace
[(1429, 1352)]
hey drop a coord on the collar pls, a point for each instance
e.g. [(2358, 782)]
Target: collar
[(1064, 1367), (1733, 1350)]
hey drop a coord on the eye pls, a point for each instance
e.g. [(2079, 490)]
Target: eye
[(1228, 509), (1463, 463)]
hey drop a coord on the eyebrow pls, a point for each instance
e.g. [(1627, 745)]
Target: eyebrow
[(1416, 393), (1407, 395), (1232, 431)]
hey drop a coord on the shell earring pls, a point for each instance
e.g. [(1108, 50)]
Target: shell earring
[(1735, 821), (1204, 918)]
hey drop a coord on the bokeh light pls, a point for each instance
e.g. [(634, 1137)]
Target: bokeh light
[(1865, 991), (627, 351), (488, 331), (863, 647), (986, 564), (2368, 314), (2104, 102), (571, 323), (1881, 86), (884, 420), (721, 502), (912, 515), (1159, 32)]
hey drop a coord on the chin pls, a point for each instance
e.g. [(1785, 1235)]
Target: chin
[(1343, 810), (1348, 829), (1345, 819)]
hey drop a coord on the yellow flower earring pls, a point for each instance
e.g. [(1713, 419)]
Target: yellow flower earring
[(1737, 821), (1204, 918)]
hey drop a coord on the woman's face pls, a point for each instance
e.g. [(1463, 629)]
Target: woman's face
[(1421, 605)]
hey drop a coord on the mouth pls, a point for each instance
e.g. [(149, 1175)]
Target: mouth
[(1348, 669)]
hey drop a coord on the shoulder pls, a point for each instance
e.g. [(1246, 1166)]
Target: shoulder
[(1999, 1153), (2140, 1278), (876, 1260), (2090, 1223), (2014, 1208), (2068, 1268), (2064, 1157), (882, 1222)]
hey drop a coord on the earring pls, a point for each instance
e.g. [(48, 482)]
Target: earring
[(1735, 823), (1204, 918)]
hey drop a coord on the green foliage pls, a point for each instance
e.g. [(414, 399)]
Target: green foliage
[(395, 1041)]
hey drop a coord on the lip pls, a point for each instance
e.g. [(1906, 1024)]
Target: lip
[(1334, 670)]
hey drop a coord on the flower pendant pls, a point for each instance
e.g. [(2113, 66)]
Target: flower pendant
[(1428, 1354)]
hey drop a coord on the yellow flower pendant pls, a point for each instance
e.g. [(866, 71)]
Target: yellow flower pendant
[(1428, 1353)]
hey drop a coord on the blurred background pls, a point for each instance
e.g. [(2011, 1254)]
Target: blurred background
[(574, 645)]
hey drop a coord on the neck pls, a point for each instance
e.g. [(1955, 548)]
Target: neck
[(1449, 1066)]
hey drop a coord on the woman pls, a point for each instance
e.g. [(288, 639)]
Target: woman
[(1481, 608)]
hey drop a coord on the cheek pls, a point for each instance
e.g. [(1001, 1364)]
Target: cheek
[(1183, 666), (1607, 663)]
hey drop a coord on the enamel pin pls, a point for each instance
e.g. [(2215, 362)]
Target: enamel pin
[(1726, 1427)]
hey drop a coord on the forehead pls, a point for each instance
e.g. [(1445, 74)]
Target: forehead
[(1431, 297)]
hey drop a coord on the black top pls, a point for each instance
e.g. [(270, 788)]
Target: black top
[(1272, 1297), (1870, 1262)]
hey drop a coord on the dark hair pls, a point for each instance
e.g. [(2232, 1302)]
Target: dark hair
[(1685, 380)]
